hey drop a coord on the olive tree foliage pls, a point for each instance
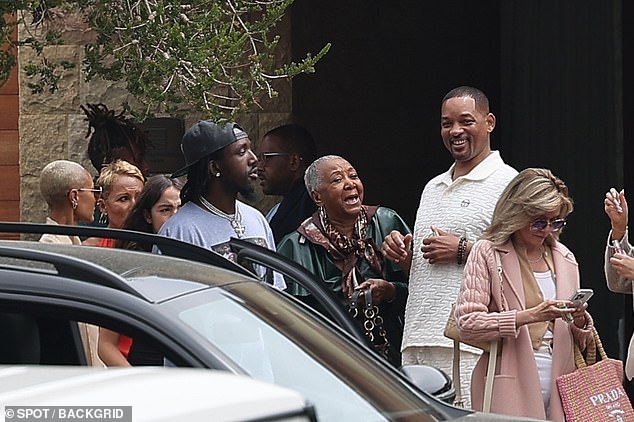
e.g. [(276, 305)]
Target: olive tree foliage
[(211, 56)]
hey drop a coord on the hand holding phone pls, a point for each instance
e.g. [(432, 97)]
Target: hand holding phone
[(580, 297)]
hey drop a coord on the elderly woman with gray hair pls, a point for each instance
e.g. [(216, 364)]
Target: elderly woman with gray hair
[(340, 243)]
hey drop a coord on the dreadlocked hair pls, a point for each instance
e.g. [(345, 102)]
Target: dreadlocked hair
[(109, 131), (198, 178)]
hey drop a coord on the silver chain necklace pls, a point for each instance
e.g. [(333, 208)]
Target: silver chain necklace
[(234, 219)]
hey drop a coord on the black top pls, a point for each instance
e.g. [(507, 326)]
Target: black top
[(296, 207)]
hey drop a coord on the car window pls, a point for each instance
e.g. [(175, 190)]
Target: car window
[(265, 353), (275, 342), (229, 322)]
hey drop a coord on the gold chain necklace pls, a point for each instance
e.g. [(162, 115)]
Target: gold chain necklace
[(235, 219), (536, 260)]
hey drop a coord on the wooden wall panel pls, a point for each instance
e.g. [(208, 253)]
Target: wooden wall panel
[(10, 211), (9, 152), (9, 112), (10, 87), (10, 176)]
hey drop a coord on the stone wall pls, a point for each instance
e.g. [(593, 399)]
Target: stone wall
[(52, 125)]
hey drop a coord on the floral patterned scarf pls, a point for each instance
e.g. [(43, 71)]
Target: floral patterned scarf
[(345, 251)]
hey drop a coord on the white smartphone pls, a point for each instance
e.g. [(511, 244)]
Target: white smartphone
[(581, 296)]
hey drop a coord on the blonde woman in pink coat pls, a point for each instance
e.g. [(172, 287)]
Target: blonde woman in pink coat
[(525, 311)]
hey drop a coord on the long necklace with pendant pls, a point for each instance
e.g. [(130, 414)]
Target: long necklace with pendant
[(234, 219)]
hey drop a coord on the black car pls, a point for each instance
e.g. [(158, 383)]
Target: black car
[(210, 315)]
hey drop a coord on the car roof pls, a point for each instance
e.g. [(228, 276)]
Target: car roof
[(246, 252), (165, 394), (117, 268), (84, 270)]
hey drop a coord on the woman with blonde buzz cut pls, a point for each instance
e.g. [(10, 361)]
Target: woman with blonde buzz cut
[(68, 190)]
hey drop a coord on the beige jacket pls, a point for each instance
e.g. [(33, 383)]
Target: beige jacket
[(620, 285), (89, 333)]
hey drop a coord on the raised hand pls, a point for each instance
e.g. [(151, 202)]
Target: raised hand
[(615, 206), (397, 247)]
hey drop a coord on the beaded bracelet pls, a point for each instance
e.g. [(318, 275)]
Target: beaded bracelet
[(462, 250)]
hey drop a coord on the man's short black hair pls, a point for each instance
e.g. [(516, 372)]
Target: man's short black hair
[(481, 100), (296, 138)]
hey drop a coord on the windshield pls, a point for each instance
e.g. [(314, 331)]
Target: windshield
[(274, 341)]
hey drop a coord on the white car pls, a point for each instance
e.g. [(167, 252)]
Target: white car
[(145, 394)]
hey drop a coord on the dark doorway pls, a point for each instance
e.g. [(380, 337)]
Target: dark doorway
[(552, 70), (375, 98)]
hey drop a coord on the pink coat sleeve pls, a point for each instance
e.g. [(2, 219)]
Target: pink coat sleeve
[(480, 313)]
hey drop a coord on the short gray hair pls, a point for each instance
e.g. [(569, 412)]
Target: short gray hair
[(312, 178), (59, 177)]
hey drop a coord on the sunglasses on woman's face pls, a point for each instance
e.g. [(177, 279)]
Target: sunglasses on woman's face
[(541, 224)]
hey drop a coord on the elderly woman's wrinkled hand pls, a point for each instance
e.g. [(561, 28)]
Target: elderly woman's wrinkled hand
[(396, 246), (382, 290)]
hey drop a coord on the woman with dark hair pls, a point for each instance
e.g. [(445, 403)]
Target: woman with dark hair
[(157, 202)]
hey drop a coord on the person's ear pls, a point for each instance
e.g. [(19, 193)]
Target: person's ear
[(213, 169), (73, 197), (295, 162), (316, 198), (147, 216), (490, 122), (102, 206)]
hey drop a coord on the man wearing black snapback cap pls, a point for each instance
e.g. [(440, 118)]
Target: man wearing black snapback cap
[(219, 166)]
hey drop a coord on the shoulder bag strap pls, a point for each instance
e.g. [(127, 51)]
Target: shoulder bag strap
[(488, 388), (493, 352), (455, 374)]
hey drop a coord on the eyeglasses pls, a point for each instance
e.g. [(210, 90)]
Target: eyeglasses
[(96, 190), (541, 224), (266, 156)]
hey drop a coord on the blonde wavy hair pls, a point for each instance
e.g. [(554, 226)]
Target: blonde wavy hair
[(111, 171), (533, 193)]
